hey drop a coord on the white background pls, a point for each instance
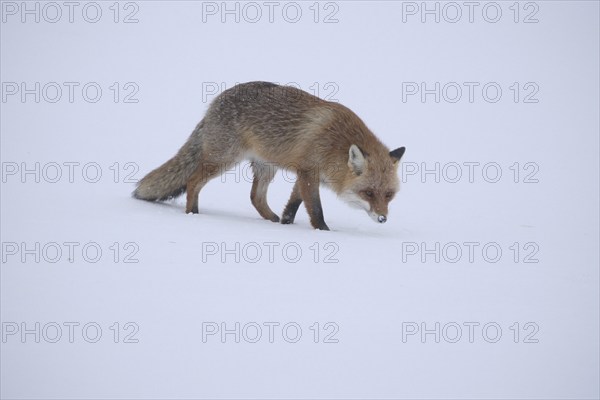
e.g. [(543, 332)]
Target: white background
[(367, 54)]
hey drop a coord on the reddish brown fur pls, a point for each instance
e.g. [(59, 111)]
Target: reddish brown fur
[(282, 127)]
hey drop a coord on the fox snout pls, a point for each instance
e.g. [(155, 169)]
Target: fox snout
[(369, 201), (378, 217), (378, 209)]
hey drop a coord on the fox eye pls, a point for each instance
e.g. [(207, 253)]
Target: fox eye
[(369, 193), (389, 195)]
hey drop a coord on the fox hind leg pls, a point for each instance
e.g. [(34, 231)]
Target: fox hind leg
[(263, 175), (205, 172)]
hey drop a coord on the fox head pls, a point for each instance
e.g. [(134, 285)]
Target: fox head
[(373, 181)]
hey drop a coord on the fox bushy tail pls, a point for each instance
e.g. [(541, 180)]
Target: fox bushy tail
[(169, 180)]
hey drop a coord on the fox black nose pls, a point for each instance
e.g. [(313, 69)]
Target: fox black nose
[(381, 219)]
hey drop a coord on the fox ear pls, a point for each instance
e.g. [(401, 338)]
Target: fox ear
[(356, 160), (397, 154)]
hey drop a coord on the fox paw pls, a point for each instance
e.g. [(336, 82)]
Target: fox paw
[(193, 210), (286, 220)]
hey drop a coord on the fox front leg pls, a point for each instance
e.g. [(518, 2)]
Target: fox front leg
[(308, 184), (289, 213)]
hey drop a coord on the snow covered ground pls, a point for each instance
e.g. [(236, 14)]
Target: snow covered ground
[(482, 284)]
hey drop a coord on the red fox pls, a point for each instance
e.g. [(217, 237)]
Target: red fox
[(282, 127)]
